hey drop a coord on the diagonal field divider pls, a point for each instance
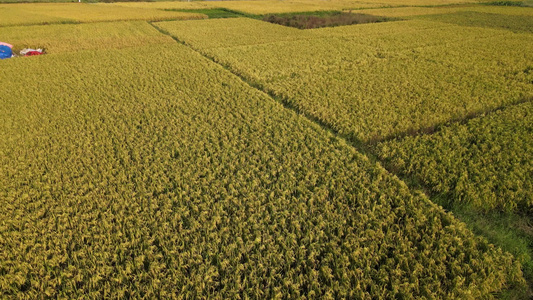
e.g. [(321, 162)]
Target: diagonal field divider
[(366, 148), (370, 148)]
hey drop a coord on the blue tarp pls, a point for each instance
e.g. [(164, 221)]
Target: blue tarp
[(5, 52)]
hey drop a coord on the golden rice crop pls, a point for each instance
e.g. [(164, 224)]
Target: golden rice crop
[(371, 32), (165, 4), (278, 6), (152, 172), (504, 10), (486, 162), (380, 86), (12, 14), (206, 34), (59, 38), (413, 35), (514, 23), (424, 2), (410, 11), (289, 6), (39, 13), (405, 7)]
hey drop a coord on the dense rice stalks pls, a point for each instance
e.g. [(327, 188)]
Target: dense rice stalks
[(174, 178)]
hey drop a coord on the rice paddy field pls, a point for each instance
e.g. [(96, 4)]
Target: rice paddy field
[(193, 150)]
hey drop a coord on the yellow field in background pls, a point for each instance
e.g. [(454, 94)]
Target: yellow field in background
[(14, 14), (410, 11), (206, 33), (283, 6), (272, 6), (24, 14), (59, 38), (400, 12), (401, 76), (424, 2), (165, 4), (504, 10), (52, 13)]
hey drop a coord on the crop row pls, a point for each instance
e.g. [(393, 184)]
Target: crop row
[(152, 172)]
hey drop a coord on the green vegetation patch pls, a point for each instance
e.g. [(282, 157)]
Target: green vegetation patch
[(512, 231), (212, 13), (506, 3), (152, 172)]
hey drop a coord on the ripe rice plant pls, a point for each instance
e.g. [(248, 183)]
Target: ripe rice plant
[(60, 38), (381, 85), (46, 13), (487, 162), (410, 11), (292, 6), (173, 178), (371, 33), (12, 15), (165, 4), (205, 34), (427, 2), (504, 10), (514, 23), (415, 36), (277, 6)]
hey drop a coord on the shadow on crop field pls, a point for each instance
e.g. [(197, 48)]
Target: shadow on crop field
[(212, 13), (318, 20)]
